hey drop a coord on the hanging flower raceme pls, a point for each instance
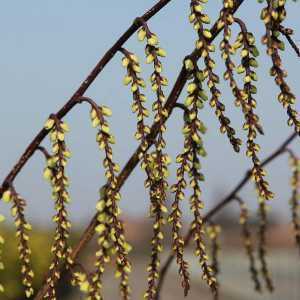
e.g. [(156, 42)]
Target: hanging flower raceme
[(131, 63), (158, 159), (197, 224), (22, 227), (248, 244), (176, 216), (246, 42), (55, 173), (149, 163), (157, 212), (294, 201), (105, 248), (195, 99), (227, 50), (110, 229), (262, 247), (190, 164), (213, 232), (204, 47), (273, 15)]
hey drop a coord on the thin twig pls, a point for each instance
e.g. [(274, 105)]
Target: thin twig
[(230, 197), (44, 151), (287, 32)]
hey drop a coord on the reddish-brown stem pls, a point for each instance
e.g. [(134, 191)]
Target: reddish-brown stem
[(230, 197), (287, 32), (44, 151)]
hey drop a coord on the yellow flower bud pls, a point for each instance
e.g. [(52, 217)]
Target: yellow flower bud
[(118, 274), (244, 53), (100, 228), (61, 136), (161, 52), (84, 286), (198, 8), (205, 19), (125, 62), (49, 124), (240, 69), (191, 87), (141, 34), (247, 79), (29, 292), (150, 59), (189, 65), (153, 40), (207, 34), (6, 197), (106, 111), (93, 114), (47, 174), (192, 18), (65, 127), (127, 80), (134, 58), (95, 122), (100, 205)]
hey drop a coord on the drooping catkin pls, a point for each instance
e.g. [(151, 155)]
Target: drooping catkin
[(197, 224), (273, 15), (213, 233), (22, 229), (184, 160), (55, 173), (262, 247), (149, 163), (248, 244), (294, 201), (158, 159), (175, 218), (104, 251), (205, 47), (244, 97), (131, 63), (193, 130), (110, 229), (227, 50), (246, 42)]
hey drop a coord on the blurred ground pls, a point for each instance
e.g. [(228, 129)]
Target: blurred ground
[(235, 282), (234, 279)]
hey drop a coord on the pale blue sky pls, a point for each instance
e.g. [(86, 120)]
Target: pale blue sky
[(47, 49)]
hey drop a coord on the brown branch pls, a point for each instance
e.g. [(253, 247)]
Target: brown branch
[(287, 32), (79, 92), (228, 199), (44, 151), (134, 159)]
